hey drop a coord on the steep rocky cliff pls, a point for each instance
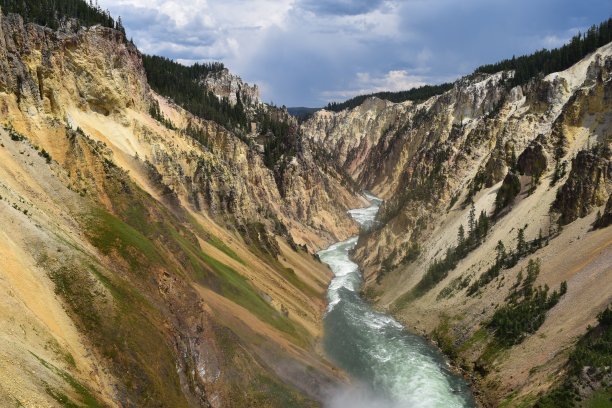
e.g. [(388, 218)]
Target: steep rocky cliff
[(482, 164), (142, 266), (226, 85)]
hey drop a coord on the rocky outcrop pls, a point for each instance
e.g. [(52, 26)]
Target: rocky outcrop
[(352, 134), (228, 179), (493, 171), (605, 219), (35, 60), (532, 162), (509, 189), (227, 85), (587, 187)]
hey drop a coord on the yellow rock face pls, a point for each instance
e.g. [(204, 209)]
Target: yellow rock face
[(138, 264)]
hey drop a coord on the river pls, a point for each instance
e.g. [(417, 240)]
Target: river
[(389, 366)]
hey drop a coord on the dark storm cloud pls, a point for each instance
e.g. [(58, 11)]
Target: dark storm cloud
[(308, 52)]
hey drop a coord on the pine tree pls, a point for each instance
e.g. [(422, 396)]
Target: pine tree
[(119, 25), (472, 220), (483, 225), (501, 252), (520, 242), (540, 239), (461, 237)]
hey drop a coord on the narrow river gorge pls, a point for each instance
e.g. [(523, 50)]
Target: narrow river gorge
[(390, 366)]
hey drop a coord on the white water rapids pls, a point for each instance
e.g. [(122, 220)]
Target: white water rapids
[(390, 366)]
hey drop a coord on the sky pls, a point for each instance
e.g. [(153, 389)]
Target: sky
[(310, 52)]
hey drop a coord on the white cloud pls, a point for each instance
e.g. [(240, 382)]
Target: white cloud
[(557, 40), (552, 41), (200, 29), (365, 83), (303, 51)]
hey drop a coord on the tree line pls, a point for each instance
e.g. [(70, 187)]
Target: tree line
[(419, 94), (541, 62), (544, 62), (183, 84), (280, 137), (50, 13)]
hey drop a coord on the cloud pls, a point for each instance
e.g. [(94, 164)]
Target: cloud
[(553, 41), (340, 7), (301, 52), (198, 29), (557, 40), (366, 83)]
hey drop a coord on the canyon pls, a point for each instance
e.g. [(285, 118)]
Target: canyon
[(150, 257)]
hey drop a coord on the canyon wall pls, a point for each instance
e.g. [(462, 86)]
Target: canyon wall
[(484, 163), (140, 266)]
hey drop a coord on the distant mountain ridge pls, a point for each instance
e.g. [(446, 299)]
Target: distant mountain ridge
[(302, 113)]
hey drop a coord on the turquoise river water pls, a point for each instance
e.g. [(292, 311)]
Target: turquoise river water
[(389, 366)]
